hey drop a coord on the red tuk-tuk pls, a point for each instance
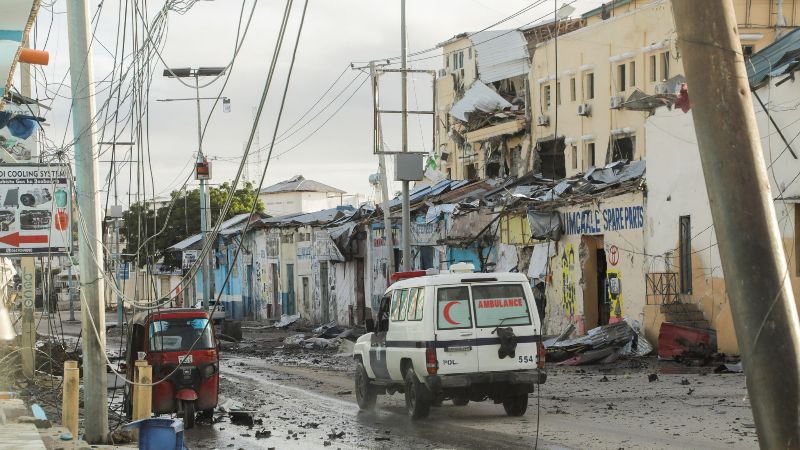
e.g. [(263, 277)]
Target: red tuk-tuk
[(181, 346)]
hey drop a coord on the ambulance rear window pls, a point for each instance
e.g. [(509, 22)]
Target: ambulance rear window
[(453, 308), (500, 305)]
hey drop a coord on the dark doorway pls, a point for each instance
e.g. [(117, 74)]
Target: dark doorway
[(604, 306), (276, 294), (323, 284), (623, 148), (552, 159), (426, 257), (360, 296), (290, 297), (472, 172)]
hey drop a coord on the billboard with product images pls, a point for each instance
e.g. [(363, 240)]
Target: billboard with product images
[(35, 209)]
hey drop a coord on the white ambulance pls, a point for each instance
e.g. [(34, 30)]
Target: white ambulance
[(460, 336)]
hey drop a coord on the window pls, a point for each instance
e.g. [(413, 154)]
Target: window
[(396, 299), (685, 237), (558, 92), (403, 304), (572, 91), (574, 157), (632, 73), (415, 304), (588, 88), (748, 50), (653, 72), (552, 158), (621, 78), (500, 305), (546, 95), (173, 335), (623, 148), (589, 159), (452, 305), (665, 66), (469, 54), (305, 290)]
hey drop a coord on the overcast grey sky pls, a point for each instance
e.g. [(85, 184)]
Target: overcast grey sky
[(336, 32)]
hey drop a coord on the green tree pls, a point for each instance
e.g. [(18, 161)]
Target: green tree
[(179, 220)]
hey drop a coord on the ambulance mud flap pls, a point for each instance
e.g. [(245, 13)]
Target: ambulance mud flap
[(508, 342)]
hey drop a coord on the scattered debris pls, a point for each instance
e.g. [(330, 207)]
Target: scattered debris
[(242, 417), (287, 320), (604, 379), (295, 340), (344, 392), (336, 435), (729, 368), (684, 382), (652, 377), (604, 344), (263, 434), (676, 341), (328, 330)]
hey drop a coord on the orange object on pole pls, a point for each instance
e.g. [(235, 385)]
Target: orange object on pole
[(37, 57)]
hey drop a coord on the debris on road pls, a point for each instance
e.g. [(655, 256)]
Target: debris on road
[(729, 368), (676, 341), (287, 320), (604, 344)]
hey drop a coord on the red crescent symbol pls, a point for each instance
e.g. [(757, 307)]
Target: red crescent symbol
[(446, 313)]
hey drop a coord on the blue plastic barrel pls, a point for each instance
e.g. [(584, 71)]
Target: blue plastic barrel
[(159, 434)]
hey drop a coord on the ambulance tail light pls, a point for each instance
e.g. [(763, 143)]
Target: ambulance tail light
[(540, 355), (430, 361)]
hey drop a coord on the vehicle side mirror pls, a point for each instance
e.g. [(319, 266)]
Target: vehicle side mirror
[(370, 324)]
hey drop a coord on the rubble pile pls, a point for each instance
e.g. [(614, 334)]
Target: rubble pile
[(604, 344)]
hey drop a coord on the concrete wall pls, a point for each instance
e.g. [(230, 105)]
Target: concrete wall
[(284, 203), (676, 187), (616, 226)]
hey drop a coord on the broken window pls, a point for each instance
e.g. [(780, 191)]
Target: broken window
[(551, 155), (632, 73), (493, 165), (572, 90), (574, 157), (748, 50), (472, 172), (558, 92), (621, 78), (588, 88), (546, 95), (685, 237), (623, 148), (653, 71), (589, 158)]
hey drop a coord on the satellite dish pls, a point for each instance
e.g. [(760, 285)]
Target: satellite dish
[(565, 11)]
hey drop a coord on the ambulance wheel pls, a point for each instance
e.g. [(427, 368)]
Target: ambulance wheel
[(418, 398), (366, 395), (516, 405)]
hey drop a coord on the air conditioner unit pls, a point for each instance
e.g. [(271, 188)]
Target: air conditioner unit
[(662, 88), (442, 73), (585, 109), (543, 121), (616, 101)]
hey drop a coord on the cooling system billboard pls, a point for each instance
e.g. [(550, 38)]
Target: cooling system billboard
[(35, 209)]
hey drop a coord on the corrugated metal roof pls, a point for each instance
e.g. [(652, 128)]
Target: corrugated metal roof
[(478, 97), (230, 223), (780, 54), (501, 54), (299, 183)]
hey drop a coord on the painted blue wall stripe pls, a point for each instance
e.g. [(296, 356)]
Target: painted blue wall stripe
[(11, 35)]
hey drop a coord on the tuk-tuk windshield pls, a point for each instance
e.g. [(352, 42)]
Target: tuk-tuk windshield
[(172, 335)]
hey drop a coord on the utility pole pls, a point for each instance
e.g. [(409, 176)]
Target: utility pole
[(378, 148), (202, 167), (757, 277), (91, 282), (406, 211)]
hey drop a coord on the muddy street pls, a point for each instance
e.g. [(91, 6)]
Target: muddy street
[(304, 399)]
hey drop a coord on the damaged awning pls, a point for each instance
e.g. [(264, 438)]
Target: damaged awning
[(501, 129), (478, 97), (501, 54)]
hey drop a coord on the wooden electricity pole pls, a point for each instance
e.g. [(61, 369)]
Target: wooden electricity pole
[(757, 277)]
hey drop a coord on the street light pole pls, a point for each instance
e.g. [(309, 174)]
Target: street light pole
[(406, 209), (205, 215)]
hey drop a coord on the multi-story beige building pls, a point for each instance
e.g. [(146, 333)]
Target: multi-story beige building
[(559, 103)]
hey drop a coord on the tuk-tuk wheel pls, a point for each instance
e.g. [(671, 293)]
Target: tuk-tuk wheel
[(188, 414)]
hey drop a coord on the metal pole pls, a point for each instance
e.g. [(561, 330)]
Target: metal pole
[(70, 288), (406, 212), (753, 259), (387, 216), (118, 262), (93, 315), (203, 212)]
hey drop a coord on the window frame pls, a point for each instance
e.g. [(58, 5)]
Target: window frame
[(573, 90), (685, 261), (419, 294), (622, 82), (394, 309), (524, 300), (653, 68), (588, 85), (403, 311), (665, 65), (632, 73)]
